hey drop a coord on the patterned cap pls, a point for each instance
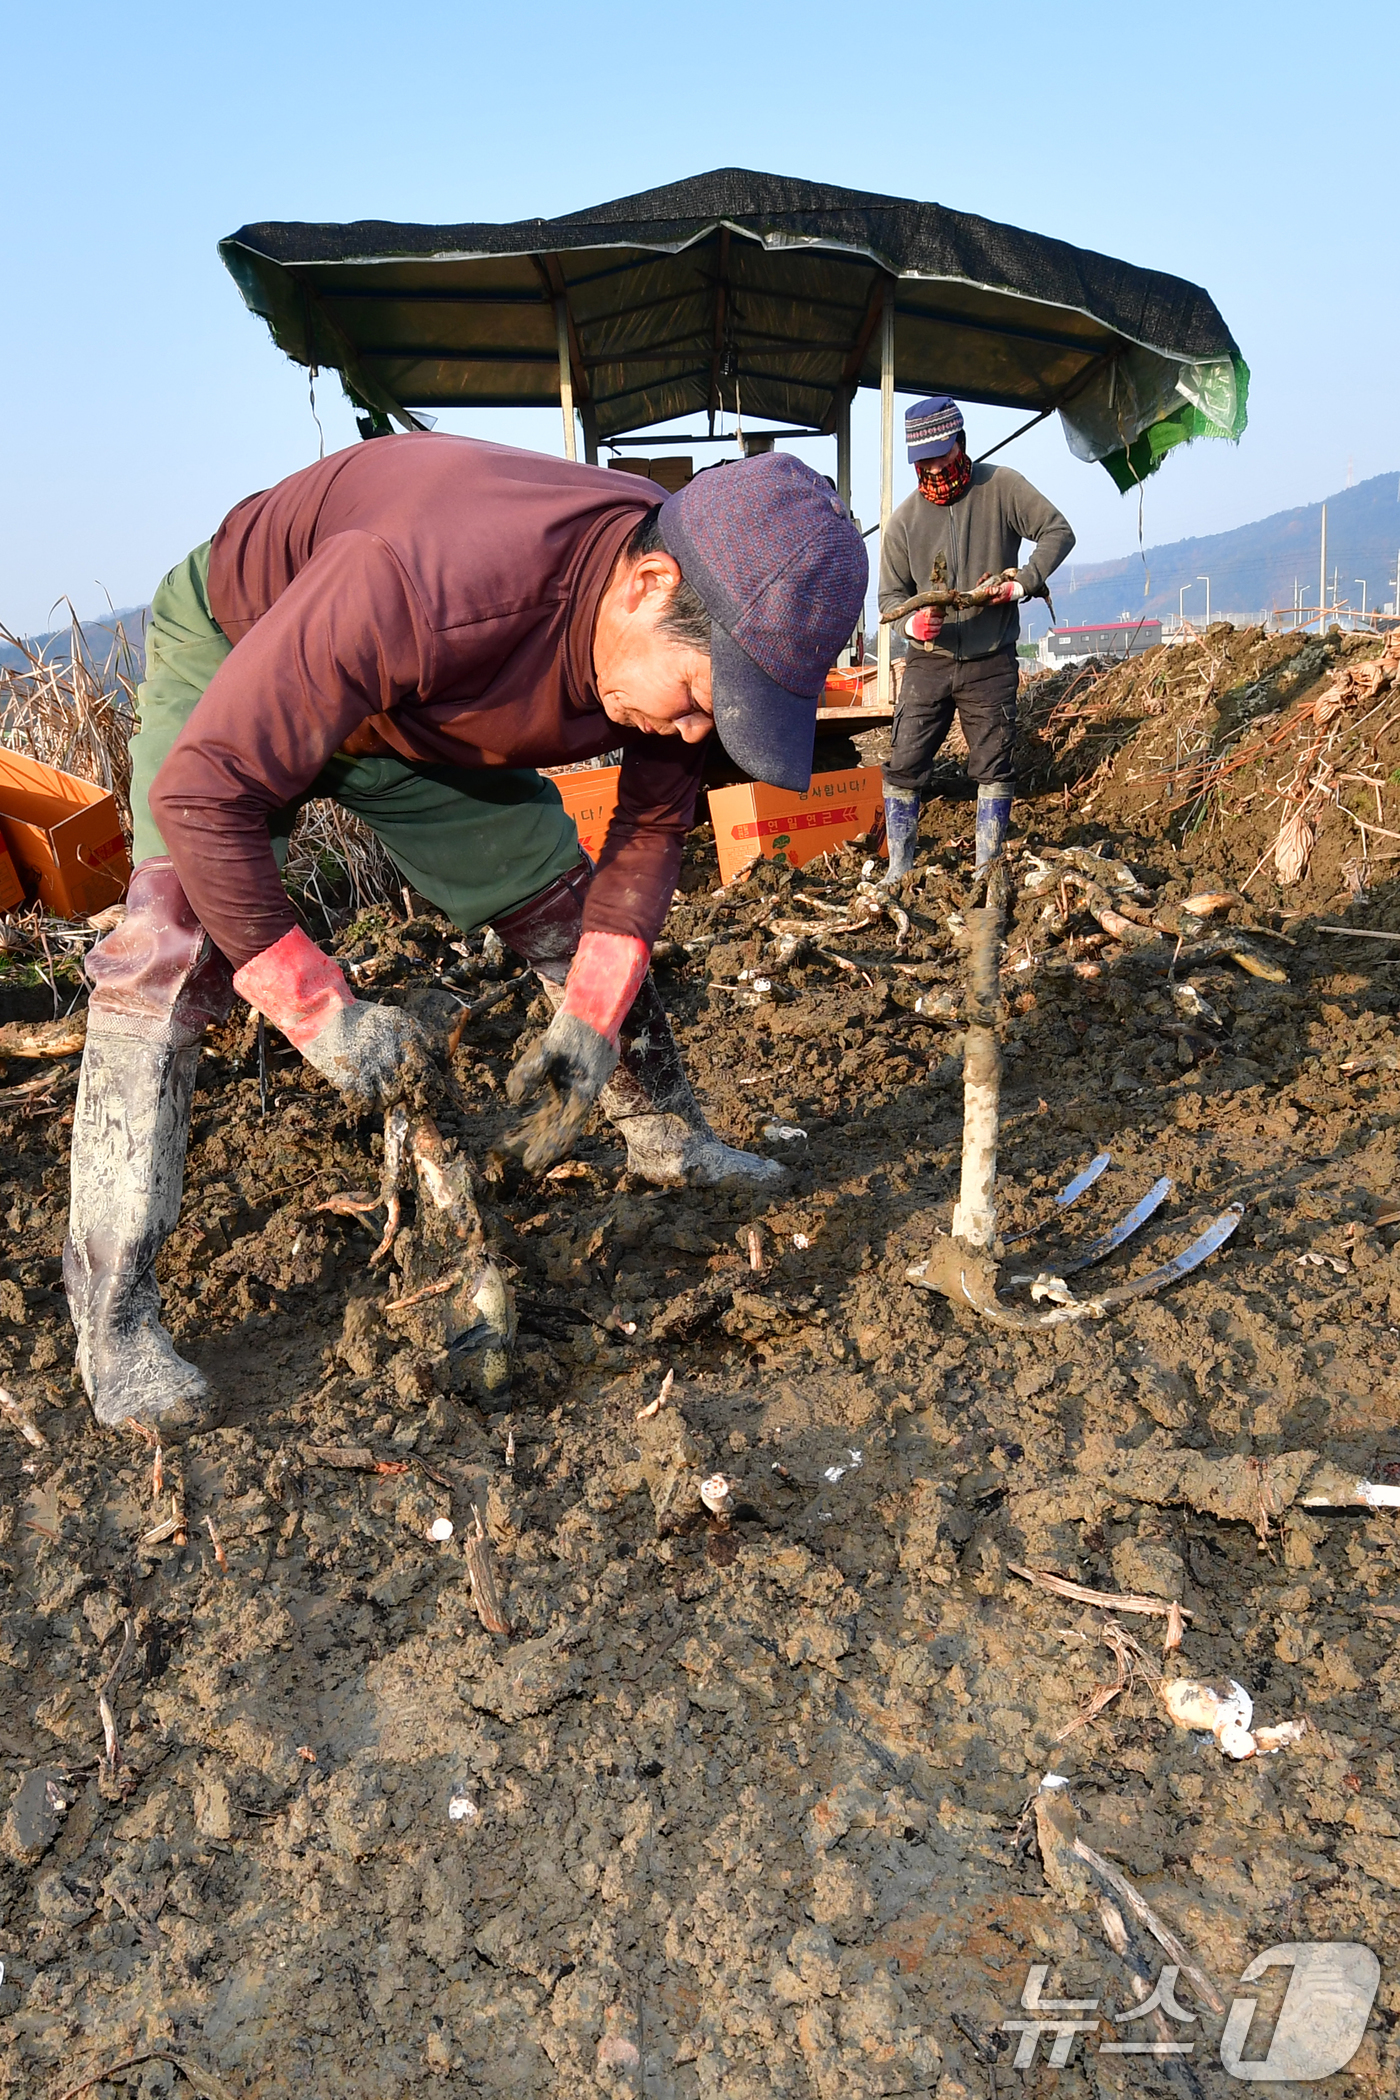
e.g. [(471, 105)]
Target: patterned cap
[(932, 427), (782, 572)]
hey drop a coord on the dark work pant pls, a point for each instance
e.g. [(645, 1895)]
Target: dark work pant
[(983, 694)]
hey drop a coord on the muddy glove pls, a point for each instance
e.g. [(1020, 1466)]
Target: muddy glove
[(925, 625), (577, 1055), (1006, 589), (376, 1055)]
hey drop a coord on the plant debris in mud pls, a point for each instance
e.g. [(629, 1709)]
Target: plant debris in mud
[(611, 1790)]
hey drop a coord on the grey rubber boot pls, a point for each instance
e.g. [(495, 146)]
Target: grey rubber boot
[(130, 1128), (648, 1099), (901, 830), (157, 984)]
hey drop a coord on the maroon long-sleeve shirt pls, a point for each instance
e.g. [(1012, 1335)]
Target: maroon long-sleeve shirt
[(435, 596)]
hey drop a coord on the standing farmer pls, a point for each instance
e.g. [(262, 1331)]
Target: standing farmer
[(411, 628), (961, 660)]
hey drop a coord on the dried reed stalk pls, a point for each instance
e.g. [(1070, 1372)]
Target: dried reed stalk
[(332, 845), (78, 712), (75, 712)]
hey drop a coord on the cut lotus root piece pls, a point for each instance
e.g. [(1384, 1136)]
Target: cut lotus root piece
[(358, 1203), (452, 1295), (1226, 1711)]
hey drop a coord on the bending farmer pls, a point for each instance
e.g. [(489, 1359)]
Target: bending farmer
[(411, 627), (976, 518)]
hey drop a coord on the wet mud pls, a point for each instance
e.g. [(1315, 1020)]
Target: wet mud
[(743, 1804)]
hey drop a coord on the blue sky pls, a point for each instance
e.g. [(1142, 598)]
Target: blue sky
[(1245, 147)]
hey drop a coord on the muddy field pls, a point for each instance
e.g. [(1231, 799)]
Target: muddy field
[(743, 1805)]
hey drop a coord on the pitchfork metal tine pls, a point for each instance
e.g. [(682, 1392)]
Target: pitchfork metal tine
[(1206, 1244), (1098, 1250), (1070, 1193)]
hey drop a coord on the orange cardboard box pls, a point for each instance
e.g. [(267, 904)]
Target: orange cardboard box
[(63, 835), (851, 688), (753, 821), (11, 888), (590, 797)]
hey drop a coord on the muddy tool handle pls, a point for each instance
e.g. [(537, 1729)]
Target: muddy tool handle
[(974, 1213)]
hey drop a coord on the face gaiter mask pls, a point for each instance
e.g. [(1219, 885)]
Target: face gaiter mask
[(944, 480)]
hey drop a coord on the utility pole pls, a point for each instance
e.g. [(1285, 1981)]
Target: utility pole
[(1362, 581), (1206, 581), (1322, 583), (1181, 606)]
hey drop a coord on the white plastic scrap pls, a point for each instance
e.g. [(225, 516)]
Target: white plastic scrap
[(835, 1473), (784, 1134), (715, 1495), (440, 1530), (1226, 1712), (801, 1241), (462, 1809)]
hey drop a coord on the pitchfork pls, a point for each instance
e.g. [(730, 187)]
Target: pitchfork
[(964, 1267)]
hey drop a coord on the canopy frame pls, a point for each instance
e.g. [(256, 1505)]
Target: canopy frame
[(654, 306)]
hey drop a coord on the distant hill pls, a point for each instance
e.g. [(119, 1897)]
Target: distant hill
[(1251, 569), (99, 639)]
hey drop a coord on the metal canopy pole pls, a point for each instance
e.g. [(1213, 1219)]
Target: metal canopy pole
[(882, 661), (566, 379), (843, 449)]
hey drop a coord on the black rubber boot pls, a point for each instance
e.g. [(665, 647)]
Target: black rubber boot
[(648, 1099)]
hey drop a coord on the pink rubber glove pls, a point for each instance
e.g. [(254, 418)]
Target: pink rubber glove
[(374, 1054), (924, 625), (1003, 590), (604, 978)]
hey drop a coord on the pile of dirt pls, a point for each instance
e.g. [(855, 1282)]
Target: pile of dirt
[(1220, 741), (740, 1805)]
